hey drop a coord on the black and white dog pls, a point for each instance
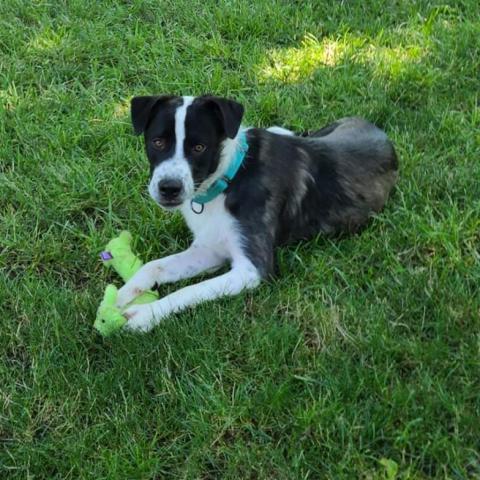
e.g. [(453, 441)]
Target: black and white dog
[(243, 191)]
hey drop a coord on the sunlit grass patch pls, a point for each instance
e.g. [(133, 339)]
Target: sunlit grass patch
[(9, 97), (121, 109), (48, 40), (294, 64), (389, 60)]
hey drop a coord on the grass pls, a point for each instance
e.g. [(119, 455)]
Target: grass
[(360, 361)]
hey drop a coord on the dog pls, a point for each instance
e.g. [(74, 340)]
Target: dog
[(245, 191)]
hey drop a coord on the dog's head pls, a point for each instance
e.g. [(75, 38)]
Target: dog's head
[(185, 140)]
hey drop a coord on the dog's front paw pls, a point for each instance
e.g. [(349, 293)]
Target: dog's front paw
[(142, 281), (128, 293), (140, 318)]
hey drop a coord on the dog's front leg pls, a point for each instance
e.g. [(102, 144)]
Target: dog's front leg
[(243, 275), (191, 262)]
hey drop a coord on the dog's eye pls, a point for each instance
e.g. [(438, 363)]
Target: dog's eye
[(199, 148), (159, 143)]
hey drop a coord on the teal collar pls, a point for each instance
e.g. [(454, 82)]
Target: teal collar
[(221, 184)]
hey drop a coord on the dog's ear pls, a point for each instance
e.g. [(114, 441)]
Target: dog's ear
[(229, 112), (141, 110)]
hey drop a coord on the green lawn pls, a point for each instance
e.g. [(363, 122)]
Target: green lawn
[(363, 349)]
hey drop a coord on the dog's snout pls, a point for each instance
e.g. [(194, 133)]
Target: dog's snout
[(170, 188)]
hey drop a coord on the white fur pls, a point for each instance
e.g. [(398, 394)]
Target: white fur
[(217, 240), (177, 167), (280, 131)]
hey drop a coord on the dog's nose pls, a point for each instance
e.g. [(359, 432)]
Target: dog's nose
[(170, 188)]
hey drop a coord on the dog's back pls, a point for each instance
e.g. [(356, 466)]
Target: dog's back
[(366, 162), (330, 181)]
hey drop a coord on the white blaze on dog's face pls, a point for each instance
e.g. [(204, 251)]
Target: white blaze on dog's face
[(184, 141)]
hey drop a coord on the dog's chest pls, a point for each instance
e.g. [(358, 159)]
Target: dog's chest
[(215, 227)]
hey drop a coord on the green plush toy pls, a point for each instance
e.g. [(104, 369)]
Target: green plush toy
[(118, 255)]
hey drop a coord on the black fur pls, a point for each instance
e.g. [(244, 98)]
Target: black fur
[(293, 188), (144, 108)]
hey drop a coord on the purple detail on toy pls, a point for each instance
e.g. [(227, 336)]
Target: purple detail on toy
[(106, 256)]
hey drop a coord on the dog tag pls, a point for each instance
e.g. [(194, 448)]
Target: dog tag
[(199, 210)]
